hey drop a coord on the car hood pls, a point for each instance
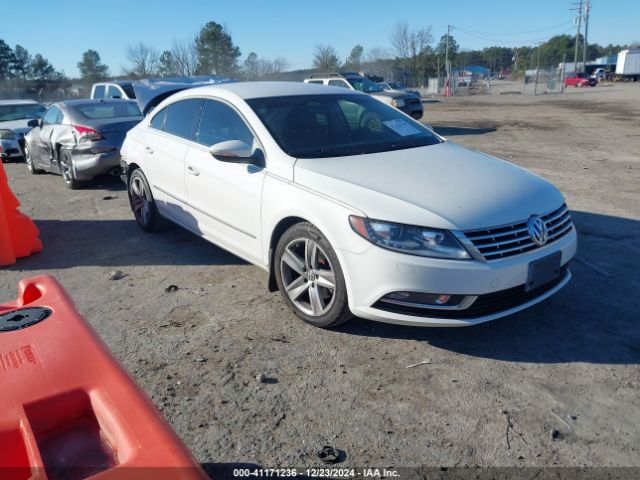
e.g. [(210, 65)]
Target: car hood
[(18, 126), (441, 186), (391, 94)]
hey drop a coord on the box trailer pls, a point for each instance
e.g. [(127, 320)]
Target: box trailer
[(628, 65)]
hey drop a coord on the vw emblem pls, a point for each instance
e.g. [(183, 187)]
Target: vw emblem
[(537, 230)]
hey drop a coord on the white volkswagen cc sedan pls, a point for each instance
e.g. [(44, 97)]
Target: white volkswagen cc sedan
[(351, 206)]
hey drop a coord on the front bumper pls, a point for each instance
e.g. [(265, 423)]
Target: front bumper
[(413, 109), (10, 149), (89, 162), (378, 272)]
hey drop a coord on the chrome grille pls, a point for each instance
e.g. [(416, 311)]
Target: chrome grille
[(508, 240)]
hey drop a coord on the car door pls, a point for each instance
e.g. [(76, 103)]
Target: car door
[(167, 140), (225, 197), (43, 149)]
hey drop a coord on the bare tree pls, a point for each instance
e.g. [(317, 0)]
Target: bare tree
[(401, 40), (409, 47), (379, 61), (144, 60), (377, 54), (185, 56), (280, 64), (325, 58)]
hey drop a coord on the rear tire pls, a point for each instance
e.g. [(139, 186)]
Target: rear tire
[(67, 171), (309, 277), (142, 203)]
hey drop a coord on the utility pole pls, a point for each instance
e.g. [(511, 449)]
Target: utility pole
[(586, 31), (575, 56), (446, 56), (535, 85)]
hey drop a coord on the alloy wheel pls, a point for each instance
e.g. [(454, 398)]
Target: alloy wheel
[(65, 168), (308, 276), (28, 159), (139, 201)]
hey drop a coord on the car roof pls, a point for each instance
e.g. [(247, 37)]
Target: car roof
[(18, 102), (247, 90)]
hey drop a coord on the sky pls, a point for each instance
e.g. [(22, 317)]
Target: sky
[(62, 30)]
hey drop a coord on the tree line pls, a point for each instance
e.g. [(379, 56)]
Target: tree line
[(413, 56), (24, 74)]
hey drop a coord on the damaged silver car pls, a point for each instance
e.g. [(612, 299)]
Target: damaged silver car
[(80, 139)]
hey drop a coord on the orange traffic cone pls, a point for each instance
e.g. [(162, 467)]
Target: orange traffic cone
[(18, 234)]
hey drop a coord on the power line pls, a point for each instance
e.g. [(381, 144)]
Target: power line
[(519, 33), (513, 42)]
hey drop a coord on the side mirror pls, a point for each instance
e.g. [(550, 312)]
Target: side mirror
[(33, 123), (233, 151)]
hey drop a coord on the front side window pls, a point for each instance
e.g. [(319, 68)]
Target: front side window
[(98, 91), (334, 125), (220, 123), (182, 118), (52, 117)]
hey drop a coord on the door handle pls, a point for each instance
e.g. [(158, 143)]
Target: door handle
[(148, 149), (192, 171)]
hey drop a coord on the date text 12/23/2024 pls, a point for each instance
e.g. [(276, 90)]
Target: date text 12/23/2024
[(316, 473)]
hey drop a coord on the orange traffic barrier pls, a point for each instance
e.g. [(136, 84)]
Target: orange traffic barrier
[(68, 410), (18, 234)]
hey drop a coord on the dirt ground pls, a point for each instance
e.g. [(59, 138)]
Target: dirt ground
[(558, 384)]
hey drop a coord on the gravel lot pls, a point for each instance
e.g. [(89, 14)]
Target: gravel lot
[(558, 384)]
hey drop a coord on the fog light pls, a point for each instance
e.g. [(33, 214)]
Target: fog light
[(420, 298), (398, 295), (443, 299)]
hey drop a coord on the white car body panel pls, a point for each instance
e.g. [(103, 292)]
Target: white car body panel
[(238, 206), (463, 189)]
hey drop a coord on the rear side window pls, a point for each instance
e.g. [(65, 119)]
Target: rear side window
[(98, 91), (52, 117), (182, 118), (157, 121), (113, 92)]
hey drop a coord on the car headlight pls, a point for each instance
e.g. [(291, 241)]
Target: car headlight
[(397, 102), (7, 135), (421, 241)]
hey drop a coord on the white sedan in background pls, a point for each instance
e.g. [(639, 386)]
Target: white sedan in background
[(351, 206)]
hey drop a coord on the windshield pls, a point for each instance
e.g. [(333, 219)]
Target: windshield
[(334, 125), (109, 110), (20, 112), (363, 84)]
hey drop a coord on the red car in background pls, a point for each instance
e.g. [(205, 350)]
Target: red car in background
[(579, 80)]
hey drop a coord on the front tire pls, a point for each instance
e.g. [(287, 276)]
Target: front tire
[(310, 278), (67, 171), (142, 203), (31, 166)]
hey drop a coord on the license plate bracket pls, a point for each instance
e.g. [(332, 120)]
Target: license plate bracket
[(543, 271)]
